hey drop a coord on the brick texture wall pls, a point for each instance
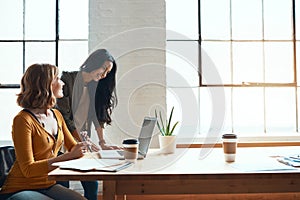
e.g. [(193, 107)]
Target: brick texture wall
[(134, 32)]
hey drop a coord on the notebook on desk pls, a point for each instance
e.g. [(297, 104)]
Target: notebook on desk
[(87, 164), (144, 138)]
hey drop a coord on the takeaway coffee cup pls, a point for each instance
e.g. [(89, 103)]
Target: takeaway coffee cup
[(229, 146), (131, 147)]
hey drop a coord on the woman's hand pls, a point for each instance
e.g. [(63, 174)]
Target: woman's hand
[(86, 138), (108, 147), (102, 142), (78, 150), (94, 147)]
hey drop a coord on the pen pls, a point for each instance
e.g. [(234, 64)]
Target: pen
[(84, 139), (88, 146)]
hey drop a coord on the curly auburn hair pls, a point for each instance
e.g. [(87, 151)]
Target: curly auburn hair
[(36, 87)]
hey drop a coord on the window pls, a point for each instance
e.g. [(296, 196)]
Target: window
[(35, 31), (237, 63)]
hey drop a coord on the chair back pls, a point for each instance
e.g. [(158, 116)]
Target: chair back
[(7, 159)]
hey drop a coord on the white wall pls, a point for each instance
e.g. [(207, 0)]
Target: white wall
[(134, 32)]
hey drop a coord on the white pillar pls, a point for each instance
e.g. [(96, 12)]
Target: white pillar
[(134, 32)]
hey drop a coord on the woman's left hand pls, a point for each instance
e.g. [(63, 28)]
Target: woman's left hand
[(108, 147)]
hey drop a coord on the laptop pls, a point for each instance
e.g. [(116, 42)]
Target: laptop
[(144, 138)]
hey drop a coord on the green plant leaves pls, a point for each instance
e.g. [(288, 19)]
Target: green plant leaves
[(165, 129)]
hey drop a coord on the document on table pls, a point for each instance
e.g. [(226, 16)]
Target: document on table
[(289, 160), (84, 164), (265, 164)]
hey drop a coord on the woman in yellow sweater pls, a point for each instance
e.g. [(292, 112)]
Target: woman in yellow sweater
[(38, 133)]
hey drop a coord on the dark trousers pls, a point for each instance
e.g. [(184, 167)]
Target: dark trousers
[(56, 191), (90, 188)]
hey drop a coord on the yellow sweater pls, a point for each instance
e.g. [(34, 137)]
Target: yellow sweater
[(33, 147)]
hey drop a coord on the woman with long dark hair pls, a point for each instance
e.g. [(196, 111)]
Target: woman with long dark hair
[(89, 97)]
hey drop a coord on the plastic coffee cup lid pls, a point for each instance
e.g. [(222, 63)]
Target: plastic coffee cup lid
[(130, 141), (229, 136)]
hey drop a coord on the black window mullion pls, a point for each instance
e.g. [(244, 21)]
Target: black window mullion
[(295, 60), (24, 6), (56, 31), (199, 45)]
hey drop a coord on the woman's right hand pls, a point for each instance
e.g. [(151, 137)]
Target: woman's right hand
[(85, 137), (78, 150)]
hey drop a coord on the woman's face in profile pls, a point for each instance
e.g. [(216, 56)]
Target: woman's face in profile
[(57, 86), (102, 72)]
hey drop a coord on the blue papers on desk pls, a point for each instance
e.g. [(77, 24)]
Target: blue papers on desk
[(265, 164), (290, 161), (84, 164)]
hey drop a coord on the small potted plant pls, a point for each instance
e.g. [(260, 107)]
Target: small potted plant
[(167, 140)]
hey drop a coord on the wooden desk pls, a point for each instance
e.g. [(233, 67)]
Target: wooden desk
[(185, 172)]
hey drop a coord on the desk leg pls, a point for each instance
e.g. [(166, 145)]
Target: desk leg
[(109, 190)]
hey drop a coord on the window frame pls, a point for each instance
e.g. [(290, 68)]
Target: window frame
[(264, 85), (10, 89), (57, 40)]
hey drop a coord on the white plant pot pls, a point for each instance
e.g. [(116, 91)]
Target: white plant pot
[(167, 144)]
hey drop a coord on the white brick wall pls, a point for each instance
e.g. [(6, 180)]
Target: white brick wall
[(134, 32)]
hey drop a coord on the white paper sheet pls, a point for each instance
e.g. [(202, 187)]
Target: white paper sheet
[(266, 164), (84, 164)]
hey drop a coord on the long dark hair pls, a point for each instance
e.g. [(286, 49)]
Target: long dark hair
[(103, 93), (105, 97)]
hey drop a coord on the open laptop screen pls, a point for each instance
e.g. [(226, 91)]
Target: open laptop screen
[(146, 134)]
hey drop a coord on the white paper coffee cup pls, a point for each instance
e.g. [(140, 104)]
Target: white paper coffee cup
[(229, 147), (131, 147)]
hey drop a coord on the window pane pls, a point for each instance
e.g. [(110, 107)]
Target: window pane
[(185, 102), (298, 101), (277, 19), (227, 126), (182, 64), (40, 52), (297, 20), (72, 55), (73, 19), (298, 63), (205, 111), (248, 110), (216, 55), (279, 62), (8, 98), (11, 20), (11, 63), (215, 112), (280, 110), (247, 62), (182, 17), (40, 19), (246, 19), (215, 20)]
